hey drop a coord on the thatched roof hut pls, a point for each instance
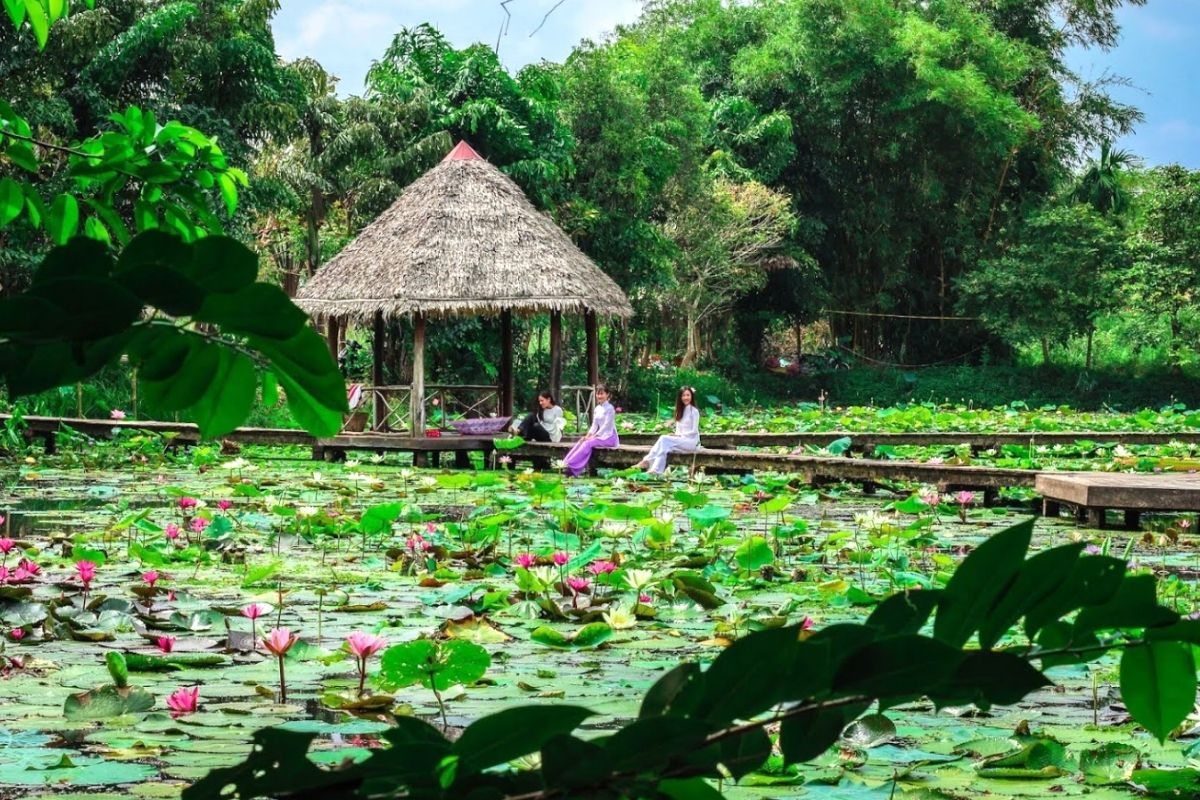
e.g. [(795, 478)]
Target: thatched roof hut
[(463, 240)]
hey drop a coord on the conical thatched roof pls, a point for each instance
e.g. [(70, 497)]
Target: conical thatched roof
[(461, 240)]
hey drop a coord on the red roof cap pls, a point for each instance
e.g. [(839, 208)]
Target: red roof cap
[(462, 152)]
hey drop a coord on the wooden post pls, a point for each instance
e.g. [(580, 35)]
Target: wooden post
[(506, 363), (133, 380), (556, 355), (332, 332), (416, 408), (593, 347), (377, 348)]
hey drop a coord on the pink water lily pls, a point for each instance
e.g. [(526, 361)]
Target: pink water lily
[(17, 634), (252, 612), (151, 577), (165, 643), (172, 531), (198, 524), (362, 646), (964, 500), (116, 413), (524, 560), (577, 585), (224, 505), (86, 571), (602, 567), (279, 641), (184, 701), (6, 544), (560, 558), (188, 502)]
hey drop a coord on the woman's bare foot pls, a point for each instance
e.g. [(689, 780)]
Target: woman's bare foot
[(640, 465)]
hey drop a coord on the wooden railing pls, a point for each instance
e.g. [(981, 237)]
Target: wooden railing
[(444, 402)]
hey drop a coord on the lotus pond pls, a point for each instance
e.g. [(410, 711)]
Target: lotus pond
[(131, 580)]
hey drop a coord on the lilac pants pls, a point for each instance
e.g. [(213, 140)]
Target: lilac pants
[(577, 458)]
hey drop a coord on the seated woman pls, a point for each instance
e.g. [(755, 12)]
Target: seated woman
[(602, 433), (543, 425), (686, 438)]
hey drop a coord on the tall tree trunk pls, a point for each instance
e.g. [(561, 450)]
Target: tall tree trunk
[(1173, 349), (692, 352), (1045, 352)]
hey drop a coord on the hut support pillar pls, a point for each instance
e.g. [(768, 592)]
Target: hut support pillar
[(592, 327), (506, 364), (556, 355), (332, 327), (416, 410), (377, 348)]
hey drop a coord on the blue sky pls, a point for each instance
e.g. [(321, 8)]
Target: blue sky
[(1158, 51)]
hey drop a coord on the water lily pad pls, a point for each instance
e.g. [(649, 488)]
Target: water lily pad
[(107, 701)]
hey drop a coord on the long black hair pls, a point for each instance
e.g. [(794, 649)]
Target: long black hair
[(537, 407), (679, 406)]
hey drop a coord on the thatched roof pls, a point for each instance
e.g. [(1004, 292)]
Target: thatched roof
[(461, 240)]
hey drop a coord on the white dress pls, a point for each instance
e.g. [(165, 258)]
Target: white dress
[(686, 439)]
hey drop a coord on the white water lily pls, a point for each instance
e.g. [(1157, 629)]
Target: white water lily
[(306, 511), (237, 463), (359, 477), (352, 463), (377, 458), (620, 619), (545, 574), (637, 578)]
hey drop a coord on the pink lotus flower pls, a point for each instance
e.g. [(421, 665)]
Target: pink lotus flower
[(579, 584), (525, 560), (165, 643), (561, 558), (416, 543), (17, 634), (1185, 524), (198, 524), (184, 701), (965, 498), (602, 567), (224, 505), (931, 499), (255, 610), (172, 531), (87, 572), (6, 544), (365, 645), (116, 413), (645, 599), (19, 575), (151, 577), (806, 624), (430, 528), (188, 502), (31, 568), (279, 641)]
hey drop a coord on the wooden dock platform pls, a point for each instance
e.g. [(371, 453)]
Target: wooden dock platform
[(1094, 494)]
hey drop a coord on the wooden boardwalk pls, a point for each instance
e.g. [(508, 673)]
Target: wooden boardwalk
[(1094, 494)]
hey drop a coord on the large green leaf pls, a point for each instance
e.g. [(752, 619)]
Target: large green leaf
[(229, 397), (107, 702), (432, 664), (897, 668), (980, 579), (514, 732), (1038, 579), (1158, 685), (12, 200)]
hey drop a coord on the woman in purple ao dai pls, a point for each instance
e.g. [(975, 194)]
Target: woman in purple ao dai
[(602, 433)]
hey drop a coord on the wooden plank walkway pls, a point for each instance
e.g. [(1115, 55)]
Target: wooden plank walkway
[(812, 469), (863, 442), (1093, 494)]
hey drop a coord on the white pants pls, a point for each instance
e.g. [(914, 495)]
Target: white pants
[(656, 459)]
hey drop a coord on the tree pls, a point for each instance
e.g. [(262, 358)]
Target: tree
[(180, 301), (1101, 184), (728, 239), (1166, 242), (1061, 272)]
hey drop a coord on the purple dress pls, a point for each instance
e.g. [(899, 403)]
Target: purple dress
[(603, 433)]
